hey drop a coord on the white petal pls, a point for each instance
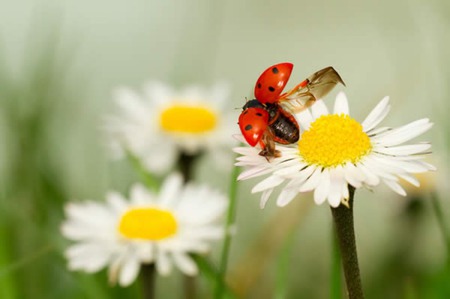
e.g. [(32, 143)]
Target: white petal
[(395, 187), (312, 182), (286, 196), (254, 172), (404, 133), (140, 195), (264, 198), (159, 93), (304, 119), (130, 103), (353, 175), (381, 168), (322, 190), (245, 151), (87, 256), (116, 201), (129, 271), (163, 263), (370, 178), (301, 177), (170, 189), (185, 264), (410, 179), (161, 157), (291, 170), (341, 104), (145, 252), (336, 182), (409, 149), (318, 109), (345, 192), (268, 183), (376, 115)]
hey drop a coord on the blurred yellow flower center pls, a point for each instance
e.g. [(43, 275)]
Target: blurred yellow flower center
[(188, 119), (333, 140), (147, 223)]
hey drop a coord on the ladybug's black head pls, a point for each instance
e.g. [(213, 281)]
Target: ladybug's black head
[(253, 104)]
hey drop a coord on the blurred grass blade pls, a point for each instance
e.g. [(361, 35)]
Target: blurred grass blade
[(281, 286), (25, 261)]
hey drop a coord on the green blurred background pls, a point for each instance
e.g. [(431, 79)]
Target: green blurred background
[(60, 60)]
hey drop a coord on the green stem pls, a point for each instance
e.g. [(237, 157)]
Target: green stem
[(144, 175), (336, 270), (148, 281), (186, 163), (208, 270), (231, 215), (441, 222), (343, 221)]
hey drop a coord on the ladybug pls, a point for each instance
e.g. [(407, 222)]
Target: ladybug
[(268, 118)]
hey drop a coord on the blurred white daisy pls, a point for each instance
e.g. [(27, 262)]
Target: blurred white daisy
[(158, 124), (159, 228), (335, 151)]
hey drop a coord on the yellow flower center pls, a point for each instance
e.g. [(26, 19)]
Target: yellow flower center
[(188, 119), (333, 140), (148, 224)]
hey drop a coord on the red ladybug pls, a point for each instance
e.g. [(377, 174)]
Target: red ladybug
[(268, 118)]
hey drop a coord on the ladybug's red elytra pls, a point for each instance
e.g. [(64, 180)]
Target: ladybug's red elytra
[(268, 118), (272, 81)]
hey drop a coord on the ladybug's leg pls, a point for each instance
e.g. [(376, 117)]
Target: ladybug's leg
[(268, 146)]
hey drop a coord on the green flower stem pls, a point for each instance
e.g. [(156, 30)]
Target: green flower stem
[(336, 270), (149, 181), (211, 274), (343, 221), (186, 163), (442, 225), (148, 275), (231, 215)]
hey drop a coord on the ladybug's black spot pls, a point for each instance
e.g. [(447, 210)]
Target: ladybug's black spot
[(271, 89), (275, 70), (259, 114), (259, 85), (248, 127)]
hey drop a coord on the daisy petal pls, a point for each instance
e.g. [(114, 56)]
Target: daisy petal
[(341, 104), (265, 197), (129, 272), (304, 119), (185, 264), (268, 183), (286, 196), (376, 115), (322, 190), (404, 133), (395, 187), (318, 109)]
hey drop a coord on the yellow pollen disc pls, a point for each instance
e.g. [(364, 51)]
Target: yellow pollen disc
[(333, 140), (188, 119), (147, 223)]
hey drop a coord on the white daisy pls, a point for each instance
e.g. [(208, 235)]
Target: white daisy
[(335, 151), (160, 123), (149, 228)]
